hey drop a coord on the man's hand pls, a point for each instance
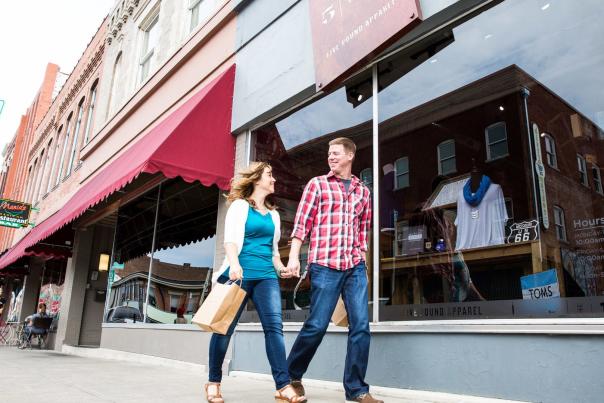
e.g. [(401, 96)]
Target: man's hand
[(293, 266), (284, 272), (235, 272), (364, 256)]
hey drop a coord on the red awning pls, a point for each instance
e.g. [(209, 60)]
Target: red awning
[(194, 143)]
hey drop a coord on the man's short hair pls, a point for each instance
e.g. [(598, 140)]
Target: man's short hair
[(348, 144), (41, 304)]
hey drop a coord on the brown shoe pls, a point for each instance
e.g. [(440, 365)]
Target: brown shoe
[(298, 387), (366, 398)]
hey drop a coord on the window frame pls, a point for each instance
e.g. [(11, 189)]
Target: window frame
[(597, 179), (582, 168), (146, 53), (89, 116), (363, 172), (489, 144), (440, 159), (76, 135), (560, 224), (397, 174), (548, 140)]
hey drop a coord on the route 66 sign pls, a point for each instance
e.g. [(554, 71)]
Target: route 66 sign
[(524, 231)]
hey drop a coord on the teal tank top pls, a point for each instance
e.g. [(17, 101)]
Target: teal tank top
[(256, 257)]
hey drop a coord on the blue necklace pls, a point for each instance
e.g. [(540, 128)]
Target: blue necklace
[(474, 199)]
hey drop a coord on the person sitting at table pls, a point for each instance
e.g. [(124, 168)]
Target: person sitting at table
[(30, 329)]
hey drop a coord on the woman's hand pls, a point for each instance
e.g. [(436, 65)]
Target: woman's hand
[(284, 272), (235, 272)]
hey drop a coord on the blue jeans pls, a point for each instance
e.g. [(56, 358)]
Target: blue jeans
[(266, 296), (326, 286)]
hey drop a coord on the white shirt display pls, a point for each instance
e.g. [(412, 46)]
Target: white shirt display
[(483, 225)]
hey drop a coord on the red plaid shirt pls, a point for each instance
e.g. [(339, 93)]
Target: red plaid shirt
[(338, 222)]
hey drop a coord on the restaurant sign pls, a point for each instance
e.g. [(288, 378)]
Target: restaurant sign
[(14, 214), (347, 33)]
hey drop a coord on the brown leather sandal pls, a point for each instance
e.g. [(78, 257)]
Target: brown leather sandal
[(282, 398), (216, 398)]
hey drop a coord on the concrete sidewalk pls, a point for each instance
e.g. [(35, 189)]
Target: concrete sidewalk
[(49, 376)]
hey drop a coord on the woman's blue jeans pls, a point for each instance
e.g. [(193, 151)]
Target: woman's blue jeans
[(266, 295), (326, 286)]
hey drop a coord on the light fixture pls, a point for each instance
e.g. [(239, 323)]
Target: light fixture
[(103, 262), (433, 61), (543, 134), (488, 36), (545, 7), (360, 97), (501, 108)]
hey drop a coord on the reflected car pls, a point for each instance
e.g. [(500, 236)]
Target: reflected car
[(123, 314)]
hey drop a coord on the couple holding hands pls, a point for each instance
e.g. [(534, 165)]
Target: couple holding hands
[(335, 214)]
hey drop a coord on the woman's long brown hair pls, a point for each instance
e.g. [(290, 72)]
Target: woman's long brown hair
[(242, 185)]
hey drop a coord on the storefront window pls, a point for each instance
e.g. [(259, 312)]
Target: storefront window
[(297, 146), (184, 254), (164, 247), (528, 241), (131, 260)]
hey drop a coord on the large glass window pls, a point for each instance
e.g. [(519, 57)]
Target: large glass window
[(481, 224), (163, 254), (467, 247), (131, 260), (296, 145)]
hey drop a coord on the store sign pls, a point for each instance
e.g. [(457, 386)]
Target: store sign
[(346, 33), (542, 285), (524, 231), (14, 214)]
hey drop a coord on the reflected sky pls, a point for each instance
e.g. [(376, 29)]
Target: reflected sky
[(198, 254), (327, 115), (558, 42)]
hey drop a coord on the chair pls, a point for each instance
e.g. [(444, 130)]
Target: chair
[(42, 326)]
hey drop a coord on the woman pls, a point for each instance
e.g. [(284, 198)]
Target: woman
[(252, 232)]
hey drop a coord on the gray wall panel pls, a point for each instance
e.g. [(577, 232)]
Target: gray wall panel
[(538, 368), (275, 69), (182, 345)]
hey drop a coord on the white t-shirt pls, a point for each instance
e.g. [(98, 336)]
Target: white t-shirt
[(483, 225)]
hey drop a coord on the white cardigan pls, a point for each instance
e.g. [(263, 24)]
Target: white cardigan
[(234, 231)]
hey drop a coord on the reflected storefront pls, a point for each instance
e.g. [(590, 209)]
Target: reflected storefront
[(489, 188)]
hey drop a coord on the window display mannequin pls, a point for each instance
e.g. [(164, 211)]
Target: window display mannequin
[(481, 213)]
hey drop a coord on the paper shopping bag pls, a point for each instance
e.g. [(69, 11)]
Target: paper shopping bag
[(219, 308), (339, 316)]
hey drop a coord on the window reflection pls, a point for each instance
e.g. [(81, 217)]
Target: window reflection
[(491, 103), (184, 253), (296, 146), (129, 271), (178, 267)]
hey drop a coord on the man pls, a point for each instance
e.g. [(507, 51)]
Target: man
[(29, 329), (335, 211)]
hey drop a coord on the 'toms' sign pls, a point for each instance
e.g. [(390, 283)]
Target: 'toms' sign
[(347, 33)]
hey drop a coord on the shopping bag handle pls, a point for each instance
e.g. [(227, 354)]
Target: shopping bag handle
[(234, 282)]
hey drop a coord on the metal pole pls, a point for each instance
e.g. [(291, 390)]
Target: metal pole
[(529, 130), (376, 201), (149, 277)]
